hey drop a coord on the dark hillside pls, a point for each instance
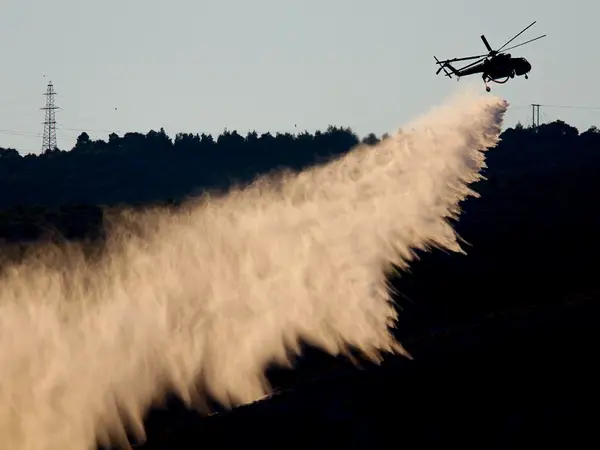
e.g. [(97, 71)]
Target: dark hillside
[(503, 337)]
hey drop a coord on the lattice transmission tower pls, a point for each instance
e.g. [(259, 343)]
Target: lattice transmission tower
[(49, 139)]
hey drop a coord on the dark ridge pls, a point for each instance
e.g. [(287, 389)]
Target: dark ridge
[(502, 337), (521, 377)]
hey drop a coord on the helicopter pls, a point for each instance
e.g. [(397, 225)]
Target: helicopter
[(494, 66)]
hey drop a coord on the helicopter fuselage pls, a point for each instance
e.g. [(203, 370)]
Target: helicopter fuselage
[(498, 67)]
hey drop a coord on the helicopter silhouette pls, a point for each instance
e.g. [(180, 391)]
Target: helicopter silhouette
[(494, 66)]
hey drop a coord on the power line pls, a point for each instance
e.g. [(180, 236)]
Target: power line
[(32, 135), (572, 107), (546, 105), (536, 110), (49, 136)]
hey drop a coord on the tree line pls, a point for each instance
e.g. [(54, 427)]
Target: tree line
[(153, 167), (67, 188)]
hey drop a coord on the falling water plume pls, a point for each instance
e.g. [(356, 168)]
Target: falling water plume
[(222, 287)]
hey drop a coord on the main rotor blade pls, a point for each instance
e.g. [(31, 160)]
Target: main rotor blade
[(517, 35), (523, 43), (486, 43), (467, 58)]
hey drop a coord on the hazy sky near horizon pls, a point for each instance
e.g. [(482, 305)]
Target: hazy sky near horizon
[(205, 65)]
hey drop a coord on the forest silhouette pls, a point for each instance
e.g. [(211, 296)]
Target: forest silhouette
[(530, 241)]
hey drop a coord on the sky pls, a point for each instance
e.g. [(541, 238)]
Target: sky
[(278, 65)]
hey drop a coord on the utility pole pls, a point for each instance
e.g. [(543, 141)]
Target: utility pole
[(535, 115), (49, 139)]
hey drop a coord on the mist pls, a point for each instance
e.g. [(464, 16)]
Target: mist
[(200, 300)]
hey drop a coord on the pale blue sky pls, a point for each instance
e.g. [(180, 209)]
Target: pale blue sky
[(203, 65)]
